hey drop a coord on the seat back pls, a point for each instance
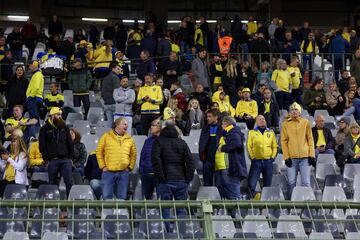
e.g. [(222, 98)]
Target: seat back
[(225, 228), (295, 227), (55, 236), (48, 192), (333, 194), (301, 193), (83, 192), (272, 193), (260, 227), (16, 236), (15, 191), (90, 142), (208, 193)]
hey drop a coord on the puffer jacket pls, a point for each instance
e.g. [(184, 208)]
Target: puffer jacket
[(124, 98), (80, 154), (35, 157), (115, 152), (103, 58), (145, 166), (171, 157), (80, 81)]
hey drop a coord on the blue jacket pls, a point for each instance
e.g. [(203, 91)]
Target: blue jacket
[(338, 45), (234, 147), (204, 140), (92, 170), (145, 156), (149, 43)]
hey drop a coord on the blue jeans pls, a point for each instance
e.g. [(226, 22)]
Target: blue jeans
[(308, 59), (17, 55), (109, 112), (245, 50), (260, 166), (355, 109), (29, 132), (32, 104), (115, 182), (39, 169), (64, 166), (148, 185), (302, 165), (208, 173), (229, 187), (95, 184), (170, 189)]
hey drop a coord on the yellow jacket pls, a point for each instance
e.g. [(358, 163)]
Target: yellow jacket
[(221, 161), (251, 28), (249, 107), (101, 56), (116, 153), (224, 105), (36, 85), (156, 96), (35, 157), (282, 79), (297, 139), (199, 37), (262, 146)]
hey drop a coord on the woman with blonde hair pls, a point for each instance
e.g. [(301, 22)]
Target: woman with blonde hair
[(14, 164), (195, 117), (246, 76), (173, 106), (231, 76)]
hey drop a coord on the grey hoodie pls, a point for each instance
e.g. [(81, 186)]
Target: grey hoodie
[(124, 98)]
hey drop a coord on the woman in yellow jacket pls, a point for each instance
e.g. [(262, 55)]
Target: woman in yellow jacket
[(36, 161), (103, 56), (116, 156)]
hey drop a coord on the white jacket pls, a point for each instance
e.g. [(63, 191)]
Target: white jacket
[(20, 166)]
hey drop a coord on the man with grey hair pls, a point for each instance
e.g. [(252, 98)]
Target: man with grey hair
[(236, 165), (323, 139)]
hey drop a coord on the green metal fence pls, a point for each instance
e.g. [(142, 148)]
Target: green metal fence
[(82, 219)]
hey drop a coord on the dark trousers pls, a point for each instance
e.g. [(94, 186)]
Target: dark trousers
[(64, 166), (249, 122), (146, 120), (283, 99), (296, 95), (33, 105), (208, 173), (172, 189), (85, 99), (338, 65), (260, 166), (3, 184), (148, 185)]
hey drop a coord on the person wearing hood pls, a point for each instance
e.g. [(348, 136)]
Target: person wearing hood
[(230, 169), (173, 166), (177, 92), (298, 147), (116, 156), (57, 148), (262, 148), (124, 98), (223, 101)]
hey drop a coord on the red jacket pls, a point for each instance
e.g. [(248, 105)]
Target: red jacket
[(29, 31), (180, 96)]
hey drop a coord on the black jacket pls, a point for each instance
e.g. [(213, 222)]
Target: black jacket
[(167, 65), (272, 118), (330, 142), (171, 157), (15, 91), (55, 142), (204, 140), (147, 66), (203, 98)]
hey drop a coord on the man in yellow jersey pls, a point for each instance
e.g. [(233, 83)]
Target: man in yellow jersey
[(34, 92), (18, 121), (247, 109), (323, 139), (150, 97), (296, 79), (297, 144), (282, 79), (262, 148), (216, 69), (54, 98)]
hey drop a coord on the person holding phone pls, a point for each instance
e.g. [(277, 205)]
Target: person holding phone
[(14, 164)]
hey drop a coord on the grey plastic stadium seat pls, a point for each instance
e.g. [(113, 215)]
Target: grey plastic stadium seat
[(39, 177), (352, 236), (97, 104), (77, 228), (319, 236), (95, 114), (16, 236), (321, 112), (92, 96), (11, 226), (319, 225), (72, 117), (90, 142), (115, 229), (152, 227), (194, 186), (210, 193), (82, 126), (241, 235), (324, 169), (101, 130), (294, 227), (334, 132), (15, 191), (350, 170), (260, 227), (301, 193), (242, 125), (83, 192), (55, 236), (356, 183), (138, 192), (102, 124), (326, 158), (273, 194), (139, 142), (190, 228), (39, 226), (352, 226), (225, 228), (281, 181), (333, 194), (193, 143)]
